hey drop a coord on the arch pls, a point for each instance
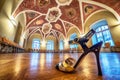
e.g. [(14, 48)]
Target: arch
[(53, 34), (72, 30), (73, 36), (111, 19), (75, 32), (34, 31), (61, 36), (106, 15), (54, 39), (106, 7), (29, 41)]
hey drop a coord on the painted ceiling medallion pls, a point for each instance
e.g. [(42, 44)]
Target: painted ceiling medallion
[(53, 14), (88, 9), (58, 26), (38, 22), (71, 12), (68, 25), (43, 3), (31, 14), (64, 2), (46, 28)]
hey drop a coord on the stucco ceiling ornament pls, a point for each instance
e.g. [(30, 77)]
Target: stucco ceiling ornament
[(38, 22), (63, 2), (70, 13), (43, 3), (46, 28), (88, 9), (31, 14), (58, 26), (53, 14)]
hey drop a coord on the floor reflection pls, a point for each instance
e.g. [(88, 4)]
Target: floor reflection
[(41, 66), (18, 64), (42, 61), (49, 57), (110, 63), (34, 61)]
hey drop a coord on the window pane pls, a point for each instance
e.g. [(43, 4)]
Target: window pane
[(72, 37), (107, 35), (106, 26), (50, 45), (103, 27), (61, 45), (103, 34), (36, 44)]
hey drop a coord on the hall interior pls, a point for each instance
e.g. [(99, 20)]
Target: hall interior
[(35, 35)]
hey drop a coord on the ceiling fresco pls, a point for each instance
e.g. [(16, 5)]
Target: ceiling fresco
[(114, 4), (55, 17), (30, 16), (88, 9)]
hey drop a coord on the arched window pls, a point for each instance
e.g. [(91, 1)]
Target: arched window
[(50, 45), (102, 33), (36, 43), (61, 45), (72, 37)]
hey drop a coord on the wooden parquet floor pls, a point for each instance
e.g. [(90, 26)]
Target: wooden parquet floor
[(41, 66)]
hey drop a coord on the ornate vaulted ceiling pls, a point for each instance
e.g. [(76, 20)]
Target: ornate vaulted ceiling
[(114, 4), (55, 17)]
